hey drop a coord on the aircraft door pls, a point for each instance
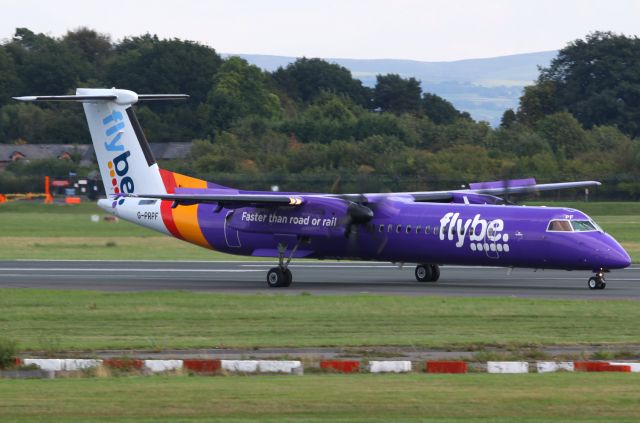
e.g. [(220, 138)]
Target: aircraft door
[(231, 236)]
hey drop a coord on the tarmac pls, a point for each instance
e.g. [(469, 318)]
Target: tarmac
[(314, 277)]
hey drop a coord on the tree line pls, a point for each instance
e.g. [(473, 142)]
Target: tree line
[(312, 126)]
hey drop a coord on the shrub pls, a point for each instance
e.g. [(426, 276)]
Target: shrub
[(8, 352)]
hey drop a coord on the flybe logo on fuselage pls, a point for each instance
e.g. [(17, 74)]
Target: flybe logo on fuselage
[(118, 166), (483, 235)]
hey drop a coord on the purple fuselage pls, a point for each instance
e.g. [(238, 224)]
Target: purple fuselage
[(406, 231)]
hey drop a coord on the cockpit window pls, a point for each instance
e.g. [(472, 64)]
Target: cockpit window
[(560, 226), (582, 226)]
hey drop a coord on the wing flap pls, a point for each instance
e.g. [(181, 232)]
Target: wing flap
[(240, 199), (506, 189), (498, 188)]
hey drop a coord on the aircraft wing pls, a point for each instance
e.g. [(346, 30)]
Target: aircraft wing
[(498, 188), (243, 199), (487, 192)]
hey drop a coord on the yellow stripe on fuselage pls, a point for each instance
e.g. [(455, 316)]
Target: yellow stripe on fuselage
[(186, 217)]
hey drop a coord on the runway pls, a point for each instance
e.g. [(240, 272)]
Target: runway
[(314, 277)]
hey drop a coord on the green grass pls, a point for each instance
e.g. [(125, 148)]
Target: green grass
[(39, 231), (52, 320), (561, 397)]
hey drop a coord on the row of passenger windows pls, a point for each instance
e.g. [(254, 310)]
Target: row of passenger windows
[(408, 229), (389, 228)]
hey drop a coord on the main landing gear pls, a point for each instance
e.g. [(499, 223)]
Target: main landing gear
[(281, 277), (427, 272), (597, 281)]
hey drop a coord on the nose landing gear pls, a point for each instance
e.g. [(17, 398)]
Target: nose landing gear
[(597, 281)]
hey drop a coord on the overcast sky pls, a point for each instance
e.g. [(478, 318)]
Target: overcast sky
[(400, 29)]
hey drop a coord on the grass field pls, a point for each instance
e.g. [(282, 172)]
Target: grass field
[(38, 231), (561, 397), (80, 320)]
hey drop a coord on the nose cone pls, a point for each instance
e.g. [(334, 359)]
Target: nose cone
[(619, 258), (615, 256), (602, 251)]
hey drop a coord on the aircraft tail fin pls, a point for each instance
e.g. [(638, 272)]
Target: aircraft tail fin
[(124, 156)]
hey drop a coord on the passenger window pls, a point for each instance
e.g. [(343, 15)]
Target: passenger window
[(398, 229), (427, 229), (408, 229), (418, 229), (381, 229), (435, 230), (559, 226), (390, 228)]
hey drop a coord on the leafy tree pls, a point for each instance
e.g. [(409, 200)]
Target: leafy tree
[(94, 48), (538, 100), (564, 134), (595, 79), (9, 81), (239, 90), (439, 110), (610, 138), (148, 64), (306, 79), (396, 94), (508, 118), (22, 122), (44, 65), (332, 107), (518, 141)]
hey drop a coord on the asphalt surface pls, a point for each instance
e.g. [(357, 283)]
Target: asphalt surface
[(319, 277)]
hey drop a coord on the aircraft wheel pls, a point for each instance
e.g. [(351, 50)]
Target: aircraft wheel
[(593, 283), (602, 285), (276, 278), (288, 277), (424, 273), (435, 273)]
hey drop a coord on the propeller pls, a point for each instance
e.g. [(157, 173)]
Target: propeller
[(356, 219), (357, 214)]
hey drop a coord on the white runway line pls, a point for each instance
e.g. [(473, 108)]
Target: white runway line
[(325, 266), (115, 270)]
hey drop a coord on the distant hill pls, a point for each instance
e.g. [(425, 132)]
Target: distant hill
[(483, 87)]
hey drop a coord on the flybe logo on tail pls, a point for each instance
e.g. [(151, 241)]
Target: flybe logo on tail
[(118, 166)]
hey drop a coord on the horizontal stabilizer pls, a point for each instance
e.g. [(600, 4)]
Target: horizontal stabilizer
[(79, 98), (121, 97), (152, 97)]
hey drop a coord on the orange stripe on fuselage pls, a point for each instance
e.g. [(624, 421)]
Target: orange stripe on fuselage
[(186, 217)]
